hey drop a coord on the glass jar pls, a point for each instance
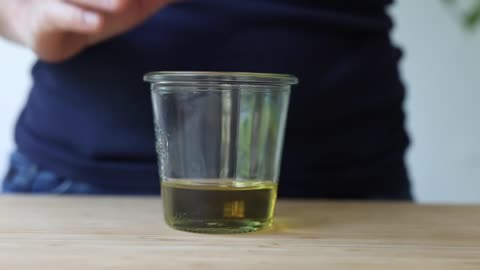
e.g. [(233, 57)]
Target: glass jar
[(219, 138)]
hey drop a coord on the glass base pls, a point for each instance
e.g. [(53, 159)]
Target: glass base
[(220, 226)]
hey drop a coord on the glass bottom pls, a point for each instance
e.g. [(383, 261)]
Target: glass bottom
[(219, 206), (219, 227)]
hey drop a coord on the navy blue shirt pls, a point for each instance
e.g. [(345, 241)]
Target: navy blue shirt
[(90, 119)]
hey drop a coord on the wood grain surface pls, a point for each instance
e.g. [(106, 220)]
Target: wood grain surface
[(129, 233)]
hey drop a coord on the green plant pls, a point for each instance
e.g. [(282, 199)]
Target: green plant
[(469, 15)]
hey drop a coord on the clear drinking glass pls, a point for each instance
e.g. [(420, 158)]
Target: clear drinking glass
[(219, 143)]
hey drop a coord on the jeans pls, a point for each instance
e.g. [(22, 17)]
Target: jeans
[(24, 176)]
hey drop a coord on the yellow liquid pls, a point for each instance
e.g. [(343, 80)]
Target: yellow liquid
[(219, 206)]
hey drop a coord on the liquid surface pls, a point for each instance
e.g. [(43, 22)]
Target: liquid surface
[(219, 206)]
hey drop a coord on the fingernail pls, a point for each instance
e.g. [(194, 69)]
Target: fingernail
[(91, 18)]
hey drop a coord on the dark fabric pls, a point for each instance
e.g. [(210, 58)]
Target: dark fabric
[(90, 118)]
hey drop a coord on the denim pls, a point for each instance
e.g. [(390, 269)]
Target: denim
[(24, 176)]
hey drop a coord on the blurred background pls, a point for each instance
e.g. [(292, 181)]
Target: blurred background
[(440, 68)]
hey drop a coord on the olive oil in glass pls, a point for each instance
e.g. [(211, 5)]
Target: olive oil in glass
[(218, 206)]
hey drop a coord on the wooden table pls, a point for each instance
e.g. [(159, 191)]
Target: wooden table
[(129, 233)]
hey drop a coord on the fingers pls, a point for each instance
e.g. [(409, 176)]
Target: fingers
[(63, 16), (111, 6)]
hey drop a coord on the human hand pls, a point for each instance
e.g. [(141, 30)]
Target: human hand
[(59, 29)]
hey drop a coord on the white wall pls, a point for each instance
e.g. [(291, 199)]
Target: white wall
[(441, 70), (15, 80)]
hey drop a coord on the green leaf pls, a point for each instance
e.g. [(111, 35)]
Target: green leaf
[(472, 18)]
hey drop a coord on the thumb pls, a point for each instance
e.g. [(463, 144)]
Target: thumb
[(136, 12), (58, 15)]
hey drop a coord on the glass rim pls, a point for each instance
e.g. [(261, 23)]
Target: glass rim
[(174, 77)]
